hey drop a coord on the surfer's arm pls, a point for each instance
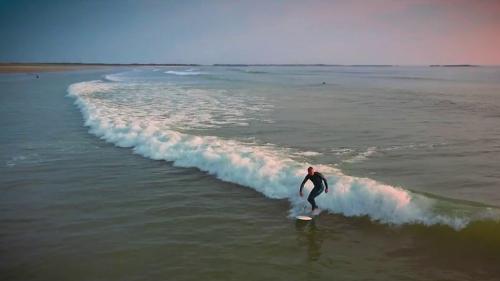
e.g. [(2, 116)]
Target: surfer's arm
[(303, 182), (326, 183)]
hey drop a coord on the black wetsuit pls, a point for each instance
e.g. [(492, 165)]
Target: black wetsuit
[(317, 179)]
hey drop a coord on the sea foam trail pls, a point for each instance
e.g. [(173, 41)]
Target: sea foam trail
[(263, 168)]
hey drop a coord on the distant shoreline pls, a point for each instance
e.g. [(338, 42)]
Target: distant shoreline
[(453, 65), (54, 67)]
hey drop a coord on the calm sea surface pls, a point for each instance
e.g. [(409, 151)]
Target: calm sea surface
[(192, 173)]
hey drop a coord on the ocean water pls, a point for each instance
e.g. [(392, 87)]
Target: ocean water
[(189, 173)]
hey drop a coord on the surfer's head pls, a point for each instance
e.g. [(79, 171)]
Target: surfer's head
[(310, 171)]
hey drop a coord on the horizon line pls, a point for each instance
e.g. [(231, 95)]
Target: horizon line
[(241, 64)]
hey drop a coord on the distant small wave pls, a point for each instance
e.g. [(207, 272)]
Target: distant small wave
[(255, 71), (250, 71), (413, 146), (32, 158), (184, 73), (114, 77), (350, 155), (362, 156), (342, 151), (308, 153)]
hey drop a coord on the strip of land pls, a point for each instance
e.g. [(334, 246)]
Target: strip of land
[(40, 67), (50, 67)]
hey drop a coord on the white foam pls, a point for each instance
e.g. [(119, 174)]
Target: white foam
[(266, 169), (342, 151), (173, 106), (31, 158), (362, 156), (114, 77), (184, 73), (414, 146), (308, 153)]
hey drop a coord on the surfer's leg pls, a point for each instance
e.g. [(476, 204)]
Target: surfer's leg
[(314, 193), (310, 199)]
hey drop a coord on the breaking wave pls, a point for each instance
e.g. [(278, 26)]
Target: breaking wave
[(125, 115)]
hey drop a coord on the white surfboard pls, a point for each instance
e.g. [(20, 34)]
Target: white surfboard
[(303, 218)]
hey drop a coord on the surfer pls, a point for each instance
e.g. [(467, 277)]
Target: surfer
[(317, 179)]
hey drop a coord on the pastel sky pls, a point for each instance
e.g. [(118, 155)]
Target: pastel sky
[(206, 32)]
